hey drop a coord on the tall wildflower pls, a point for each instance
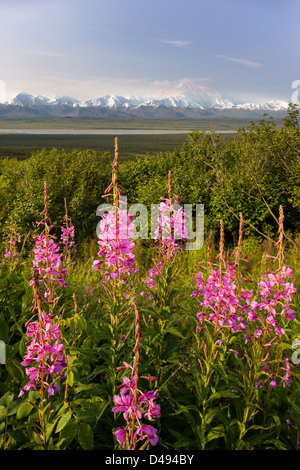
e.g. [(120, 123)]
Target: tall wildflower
[(68, 235), (47, 257), (11, 249), (117, 259), (171, 224), (116, 263), (171, 232), (43, 359), (136, 404)]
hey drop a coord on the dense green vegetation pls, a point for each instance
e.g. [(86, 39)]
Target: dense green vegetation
[(23, 146), (43, 122), (253, 173), (224, 372)]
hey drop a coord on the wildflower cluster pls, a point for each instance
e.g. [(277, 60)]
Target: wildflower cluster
[(135, 405), (48, 261), (256, 312), (219, 299)]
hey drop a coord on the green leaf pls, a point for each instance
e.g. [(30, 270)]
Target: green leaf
[(70, 378), (185, 443), (69, 431), (15, 370), (85, 436), (7, 399), (63, 421), (222, 394), (49, 429), (24, 410), (173, 331), (215, 433), (4, 330), (257, 438), (3, 412)]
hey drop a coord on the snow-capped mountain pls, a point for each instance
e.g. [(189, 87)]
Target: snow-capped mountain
[(269, 106), (169, 103), (203, 101), (24, 99)]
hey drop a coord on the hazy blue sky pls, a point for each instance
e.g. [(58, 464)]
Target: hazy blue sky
[(246, 50)]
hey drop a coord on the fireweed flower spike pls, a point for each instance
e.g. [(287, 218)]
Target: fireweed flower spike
[(11, 251), (44, 350), (135, 404), (171, 225), (171, 232), (117, 260), (47, 257), (68, 235)]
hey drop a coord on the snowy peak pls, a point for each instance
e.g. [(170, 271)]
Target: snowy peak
[(201, 100), (270, 106), (25, 99)]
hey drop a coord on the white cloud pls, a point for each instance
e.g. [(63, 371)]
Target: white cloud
[(178, 43), (183, 86), (247, 63), (60, 84)]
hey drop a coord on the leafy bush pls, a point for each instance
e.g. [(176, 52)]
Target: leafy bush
[(100, 350)]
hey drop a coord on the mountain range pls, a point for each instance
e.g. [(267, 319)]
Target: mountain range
[(180, 106)]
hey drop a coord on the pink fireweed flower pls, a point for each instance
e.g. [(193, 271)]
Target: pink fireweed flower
[(68, 235), (11, 250), (286, 379), (262, 311), (135, 405), (89, 289), (276, 293), (150, 281), (48, 257), (171, 232), (171, 226), (219, 297), (273, 383), (116, 245), (150, 433), (43, 361), (67, 239), (120, 434), (48, 262)]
